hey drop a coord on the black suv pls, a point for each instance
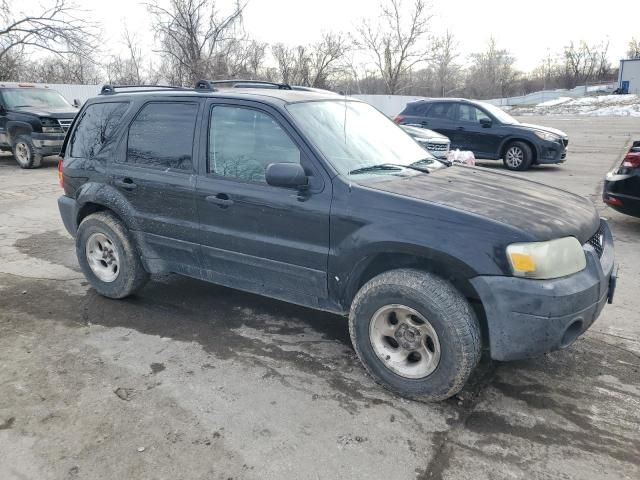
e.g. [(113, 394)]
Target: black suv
[(322, 201), (488, 132), (33, 122)]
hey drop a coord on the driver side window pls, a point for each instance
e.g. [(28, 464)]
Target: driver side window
[(244, 141), (469, 113)]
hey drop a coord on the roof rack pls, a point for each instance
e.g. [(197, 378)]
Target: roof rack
[(111, 89), (239, 83)]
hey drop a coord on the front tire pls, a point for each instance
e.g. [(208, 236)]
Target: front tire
[(518, 156), (25, 152), (108, 257), (415, 334)]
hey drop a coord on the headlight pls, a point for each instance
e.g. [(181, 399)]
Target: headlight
[(50, 125), (550, 137), (544, 260)]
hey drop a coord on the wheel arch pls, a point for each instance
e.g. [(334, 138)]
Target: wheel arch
[(438, 263), (15, 129), (507, 142)]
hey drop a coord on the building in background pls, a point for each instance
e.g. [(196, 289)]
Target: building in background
[(629, 76)]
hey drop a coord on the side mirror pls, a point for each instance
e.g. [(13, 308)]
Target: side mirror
[(288, 175), (486, 122), (76, 103)]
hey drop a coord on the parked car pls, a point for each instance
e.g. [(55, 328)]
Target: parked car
[(488, 131), (321, 201), (436, 144), (622, 185), (33, 123)]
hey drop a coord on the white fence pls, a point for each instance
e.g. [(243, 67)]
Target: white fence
[(545, 95)]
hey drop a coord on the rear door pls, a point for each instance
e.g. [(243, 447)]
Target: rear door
[(482, 141), (257, 237), (157, 176), (441, 117)]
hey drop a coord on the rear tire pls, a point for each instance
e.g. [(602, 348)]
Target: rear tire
[(108, 257), (25, 152), (518, 156), (441, 327)]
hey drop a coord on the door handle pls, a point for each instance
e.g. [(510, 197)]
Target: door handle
[(460, 128), (424, 124), (125, 183), (221, 199)]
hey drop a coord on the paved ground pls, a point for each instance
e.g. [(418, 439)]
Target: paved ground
[(193, 381)]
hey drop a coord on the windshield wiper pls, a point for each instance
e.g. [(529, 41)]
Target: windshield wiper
[(373, 168), (388, 167)]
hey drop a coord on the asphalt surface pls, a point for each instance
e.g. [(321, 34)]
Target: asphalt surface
[(193, 381)]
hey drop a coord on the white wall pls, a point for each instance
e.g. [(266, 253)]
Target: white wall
[(630, 70), (390, 105)]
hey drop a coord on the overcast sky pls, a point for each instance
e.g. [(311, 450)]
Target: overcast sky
[(526, 29)]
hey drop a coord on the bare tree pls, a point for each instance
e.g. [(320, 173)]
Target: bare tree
[(67, 69), (492, 73), (56, 29), (394, 42), (325, 57), (443, 62), (191, 33), (585, 63), (127, 69), (634, 48)]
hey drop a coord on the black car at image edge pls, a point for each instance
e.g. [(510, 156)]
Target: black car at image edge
[(33, 122), (322, 201), (488, 131), (622, 184)]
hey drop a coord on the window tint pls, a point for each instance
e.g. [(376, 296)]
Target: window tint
[(95, 127), (161, 136), (469, 113), (418, 108), (243, 141), (442, 110)]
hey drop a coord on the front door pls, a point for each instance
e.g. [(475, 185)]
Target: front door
[(257, 237), (482, 140)]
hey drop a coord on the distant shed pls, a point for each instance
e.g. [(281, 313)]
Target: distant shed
[(629, 76)]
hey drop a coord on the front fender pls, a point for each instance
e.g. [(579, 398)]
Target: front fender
[(15, 128)]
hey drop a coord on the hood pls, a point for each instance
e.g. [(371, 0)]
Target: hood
[(538, 210), (423, 133), (67, 112), (529, 126)]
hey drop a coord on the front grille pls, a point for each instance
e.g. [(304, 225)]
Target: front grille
[(438, 147), (65, 123), (597, 241)]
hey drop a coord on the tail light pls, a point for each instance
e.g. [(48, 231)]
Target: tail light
[(631, 160), (61, 172), (399, 119)]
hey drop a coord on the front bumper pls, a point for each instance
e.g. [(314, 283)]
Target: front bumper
[(48, 143), (527, 318), (551, 152)]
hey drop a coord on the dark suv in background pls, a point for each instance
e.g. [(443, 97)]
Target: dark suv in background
[(33, 122), (322, 201), (488, 131)]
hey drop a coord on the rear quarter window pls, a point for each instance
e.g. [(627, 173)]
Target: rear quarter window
[(96, 127)]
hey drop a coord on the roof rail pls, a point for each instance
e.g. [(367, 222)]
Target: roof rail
[(240, 83), (111, 89)]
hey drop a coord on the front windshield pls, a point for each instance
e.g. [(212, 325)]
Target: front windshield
[(33, 97), (499, 114), (355, 137)]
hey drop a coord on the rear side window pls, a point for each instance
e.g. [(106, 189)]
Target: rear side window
[(95, 128), (161, 136), (418, 109), (445, 111)]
